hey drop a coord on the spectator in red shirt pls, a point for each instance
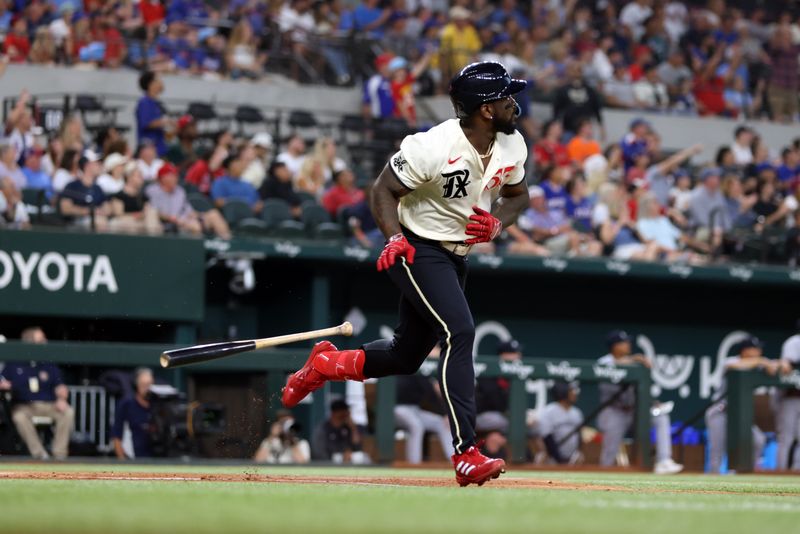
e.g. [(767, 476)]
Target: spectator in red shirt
[(549, 151), (153, 12), (106, 32), (17, 45), (343, 193)]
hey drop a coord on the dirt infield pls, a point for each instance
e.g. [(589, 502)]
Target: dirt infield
[(433, 482), (507, 482)]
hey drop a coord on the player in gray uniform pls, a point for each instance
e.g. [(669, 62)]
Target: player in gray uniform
[(560, 419), (615, 420), (750, 357), (788, 416)]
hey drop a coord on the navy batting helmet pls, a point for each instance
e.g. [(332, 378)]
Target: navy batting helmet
[(479, 83)]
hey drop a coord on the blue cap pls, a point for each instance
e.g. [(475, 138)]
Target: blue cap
[(710, 171), (638, 121), (398, 63), (511, 345), (617, 336)]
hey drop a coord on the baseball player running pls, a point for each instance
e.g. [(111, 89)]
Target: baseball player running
[(788, 416), (444, 190)]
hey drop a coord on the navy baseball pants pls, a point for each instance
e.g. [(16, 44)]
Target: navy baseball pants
[(433, 309)]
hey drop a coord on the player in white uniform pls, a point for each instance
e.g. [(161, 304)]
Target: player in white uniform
[(788, 416), (445, 190)]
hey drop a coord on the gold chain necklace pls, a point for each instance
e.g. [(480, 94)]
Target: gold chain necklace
[(488, 152)]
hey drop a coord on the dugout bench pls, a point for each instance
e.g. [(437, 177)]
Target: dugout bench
[(741, 385)]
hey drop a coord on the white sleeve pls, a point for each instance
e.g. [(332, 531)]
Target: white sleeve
[(517, 174), (412, 164), (790, 351), (600, 214)]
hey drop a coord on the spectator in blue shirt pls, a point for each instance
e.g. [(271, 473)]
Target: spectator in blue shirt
[(38, 390), (790, 168), (634, 144), (35, 177), (83, 196), (579, 204), (151, 120), (367, 17), (193, 11), (378, 101), (133, 420), (232, 187), (508, 10), (553, 181)]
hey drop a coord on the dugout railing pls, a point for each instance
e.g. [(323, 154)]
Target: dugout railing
[(518, 373), (277, 363), (741, 411)]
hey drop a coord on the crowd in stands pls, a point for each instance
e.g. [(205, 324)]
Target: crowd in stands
[(627, 200), (589, 195), (698, 58)]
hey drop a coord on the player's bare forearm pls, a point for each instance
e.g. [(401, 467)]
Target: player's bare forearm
[(513, 201), (384, 199)]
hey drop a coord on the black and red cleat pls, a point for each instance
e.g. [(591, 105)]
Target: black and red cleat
[(472, 467)]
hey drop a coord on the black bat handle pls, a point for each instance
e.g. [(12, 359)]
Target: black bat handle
[(204, 353)]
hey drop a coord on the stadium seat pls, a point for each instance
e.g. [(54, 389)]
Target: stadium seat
[(248, 114), (189, 188), (200, 202), (302, 119), (289, 229), (328, 231), (252, 226), (236, 211), (95, 115), (275, 211), (35, 202), (201, 111), (313, 216), (306, 197), (352, 129)]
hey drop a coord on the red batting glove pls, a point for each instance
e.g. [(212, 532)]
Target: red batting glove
[(397, 245), (485, 226)]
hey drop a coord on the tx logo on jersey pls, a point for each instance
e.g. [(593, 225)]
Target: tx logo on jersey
[(501, 174), (456, 182)]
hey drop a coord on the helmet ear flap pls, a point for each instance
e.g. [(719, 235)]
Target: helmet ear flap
[(460, 108)]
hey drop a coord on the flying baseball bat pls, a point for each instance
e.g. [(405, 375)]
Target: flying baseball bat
[(215, 351)]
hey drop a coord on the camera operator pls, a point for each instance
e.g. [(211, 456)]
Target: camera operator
[(283, 445), (133, 423)]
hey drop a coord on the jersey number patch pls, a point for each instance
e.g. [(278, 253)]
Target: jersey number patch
[(455, 185)]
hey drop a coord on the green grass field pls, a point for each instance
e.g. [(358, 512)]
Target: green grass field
[(635, 503)]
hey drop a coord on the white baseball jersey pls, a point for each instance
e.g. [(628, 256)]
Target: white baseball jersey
[(791, 350), (445, 174)]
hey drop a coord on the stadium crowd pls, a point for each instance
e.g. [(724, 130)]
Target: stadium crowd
[(590, 196), (700, 58)]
